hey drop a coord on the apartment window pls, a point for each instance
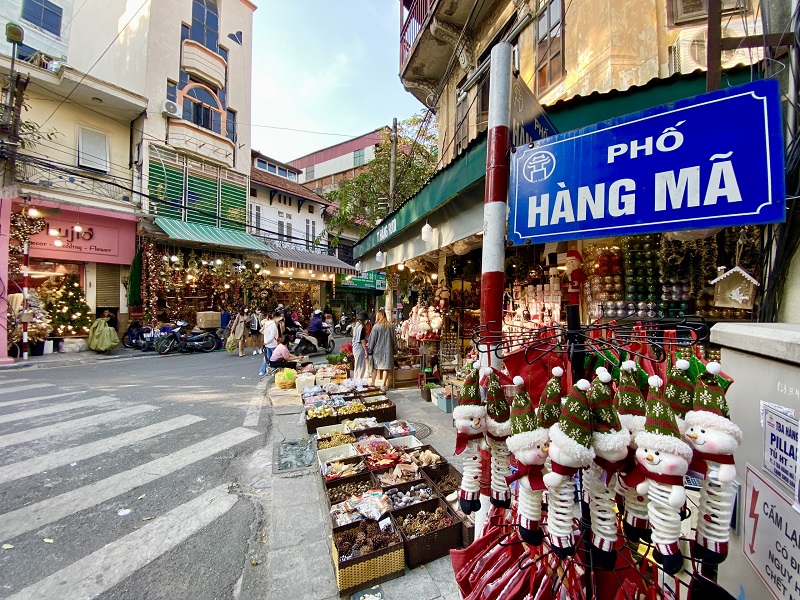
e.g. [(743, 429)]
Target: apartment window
[(205, 23), (201, 107), (311, 209), (272, 168), (230, 124), (310, 173), (284, 226), (292, 176), (261, 164), (282, 172), (690, 10), (549, 44), (43, 14), (358, 157), (462, 119), (172, 91), (256, 223), (254, 192), (186, 32), (92, 149), (308, 233)]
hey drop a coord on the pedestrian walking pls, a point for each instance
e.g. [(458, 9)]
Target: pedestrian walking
[(381, 348), (255, 331), (271, 333), (360, 347), (238, 329)]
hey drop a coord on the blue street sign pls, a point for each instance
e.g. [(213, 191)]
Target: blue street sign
[(529, 122), (715, 160)]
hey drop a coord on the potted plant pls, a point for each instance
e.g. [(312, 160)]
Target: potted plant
[(426, 390), (335, 359)]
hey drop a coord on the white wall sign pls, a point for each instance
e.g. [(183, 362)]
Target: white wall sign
[(780, 446), (771, 540)]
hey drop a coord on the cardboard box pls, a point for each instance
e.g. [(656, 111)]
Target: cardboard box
[(208, 320)]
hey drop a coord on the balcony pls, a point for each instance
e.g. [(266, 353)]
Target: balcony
[(69, 181), (200, 62), (429, 33), (200, 142)]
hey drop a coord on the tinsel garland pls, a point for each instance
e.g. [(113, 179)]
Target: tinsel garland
[(693, 261), (22, 228), (150, 271)]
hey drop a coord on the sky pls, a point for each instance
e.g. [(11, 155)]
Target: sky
[(328, 66)]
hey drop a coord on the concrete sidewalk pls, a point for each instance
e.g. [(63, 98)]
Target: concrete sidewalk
[(66, 359), (297, 536)]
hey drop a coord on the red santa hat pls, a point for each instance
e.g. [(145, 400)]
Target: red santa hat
[(575, 254)]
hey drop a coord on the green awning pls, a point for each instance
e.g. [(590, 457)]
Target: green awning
[(214, 236)]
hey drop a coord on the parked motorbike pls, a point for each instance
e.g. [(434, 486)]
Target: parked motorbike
[(345, 325), (306, 344), (130, 339), (177, 340)]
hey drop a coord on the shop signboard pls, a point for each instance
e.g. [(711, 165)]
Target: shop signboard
[(780, 446), (771, 539), (366, 281), (529, 122), (715, 160)]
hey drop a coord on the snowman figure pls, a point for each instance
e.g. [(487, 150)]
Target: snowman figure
[(470, 422), (665, 458), (570, 450), (679, 391), (631, 407), (714, 439), (529, 442), (498, 428), (610, 440)]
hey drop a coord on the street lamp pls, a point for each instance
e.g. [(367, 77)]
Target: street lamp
[(14, 36)]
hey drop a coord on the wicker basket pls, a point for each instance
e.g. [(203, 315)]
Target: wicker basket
[(368, 570), (428, 547), (383, 414), (339, 482), (436, 473), (312, 424), (352, 459)]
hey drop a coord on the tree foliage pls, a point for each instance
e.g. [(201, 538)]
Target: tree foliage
[(363, 200)]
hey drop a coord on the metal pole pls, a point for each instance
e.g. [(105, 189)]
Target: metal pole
[(25, 255), (498, 169), (392, 164), (713, 46)]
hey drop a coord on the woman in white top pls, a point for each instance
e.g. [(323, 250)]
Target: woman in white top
[(360, 347)]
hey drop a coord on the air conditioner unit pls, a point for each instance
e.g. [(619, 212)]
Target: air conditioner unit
[(689, 52), (170, 108)]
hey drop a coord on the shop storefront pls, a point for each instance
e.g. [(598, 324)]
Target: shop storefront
[(354, 293)]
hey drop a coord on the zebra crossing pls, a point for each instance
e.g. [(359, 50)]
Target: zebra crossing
[(48, 434)]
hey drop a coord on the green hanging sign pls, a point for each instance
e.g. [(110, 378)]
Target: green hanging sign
[(370, 280)]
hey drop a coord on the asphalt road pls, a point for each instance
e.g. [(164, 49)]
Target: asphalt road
[(133, 478)]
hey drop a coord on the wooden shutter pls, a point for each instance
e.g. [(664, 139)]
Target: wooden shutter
[(107, 286)]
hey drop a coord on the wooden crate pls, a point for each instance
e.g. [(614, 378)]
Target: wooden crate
[(368, 570)]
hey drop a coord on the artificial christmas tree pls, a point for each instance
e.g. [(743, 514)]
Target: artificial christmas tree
[(65, 301)]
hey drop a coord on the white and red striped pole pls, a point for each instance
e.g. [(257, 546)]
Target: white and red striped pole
[(498, 169), (25, 301)]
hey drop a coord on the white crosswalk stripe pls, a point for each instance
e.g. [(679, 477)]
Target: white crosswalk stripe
[(10, 381), (24, 388), (31, 517), (37, 398), (39, 464), (99, 401), (75, 425), (103, 569)]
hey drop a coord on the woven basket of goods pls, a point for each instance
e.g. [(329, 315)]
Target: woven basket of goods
[(367, 553), (430, 530)]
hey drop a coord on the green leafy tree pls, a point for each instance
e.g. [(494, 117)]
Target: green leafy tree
[(363, 200), (69, 312)]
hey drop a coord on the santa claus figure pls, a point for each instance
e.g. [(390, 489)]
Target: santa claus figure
[(714, 438), (575, 276), (470, 421), (665, 458)]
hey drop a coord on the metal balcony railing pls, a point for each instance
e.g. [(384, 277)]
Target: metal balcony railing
[(411, 28), (52, 177)]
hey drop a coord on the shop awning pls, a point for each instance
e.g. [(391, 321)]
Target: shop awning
[(303, 259), (215, 236)]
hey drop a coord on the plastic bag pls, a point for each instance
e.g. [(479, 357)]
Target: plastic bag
[(231, 343)]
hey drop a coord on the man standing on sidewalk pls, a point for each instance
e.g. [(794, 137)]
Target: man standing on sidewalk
[(271, 333)]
